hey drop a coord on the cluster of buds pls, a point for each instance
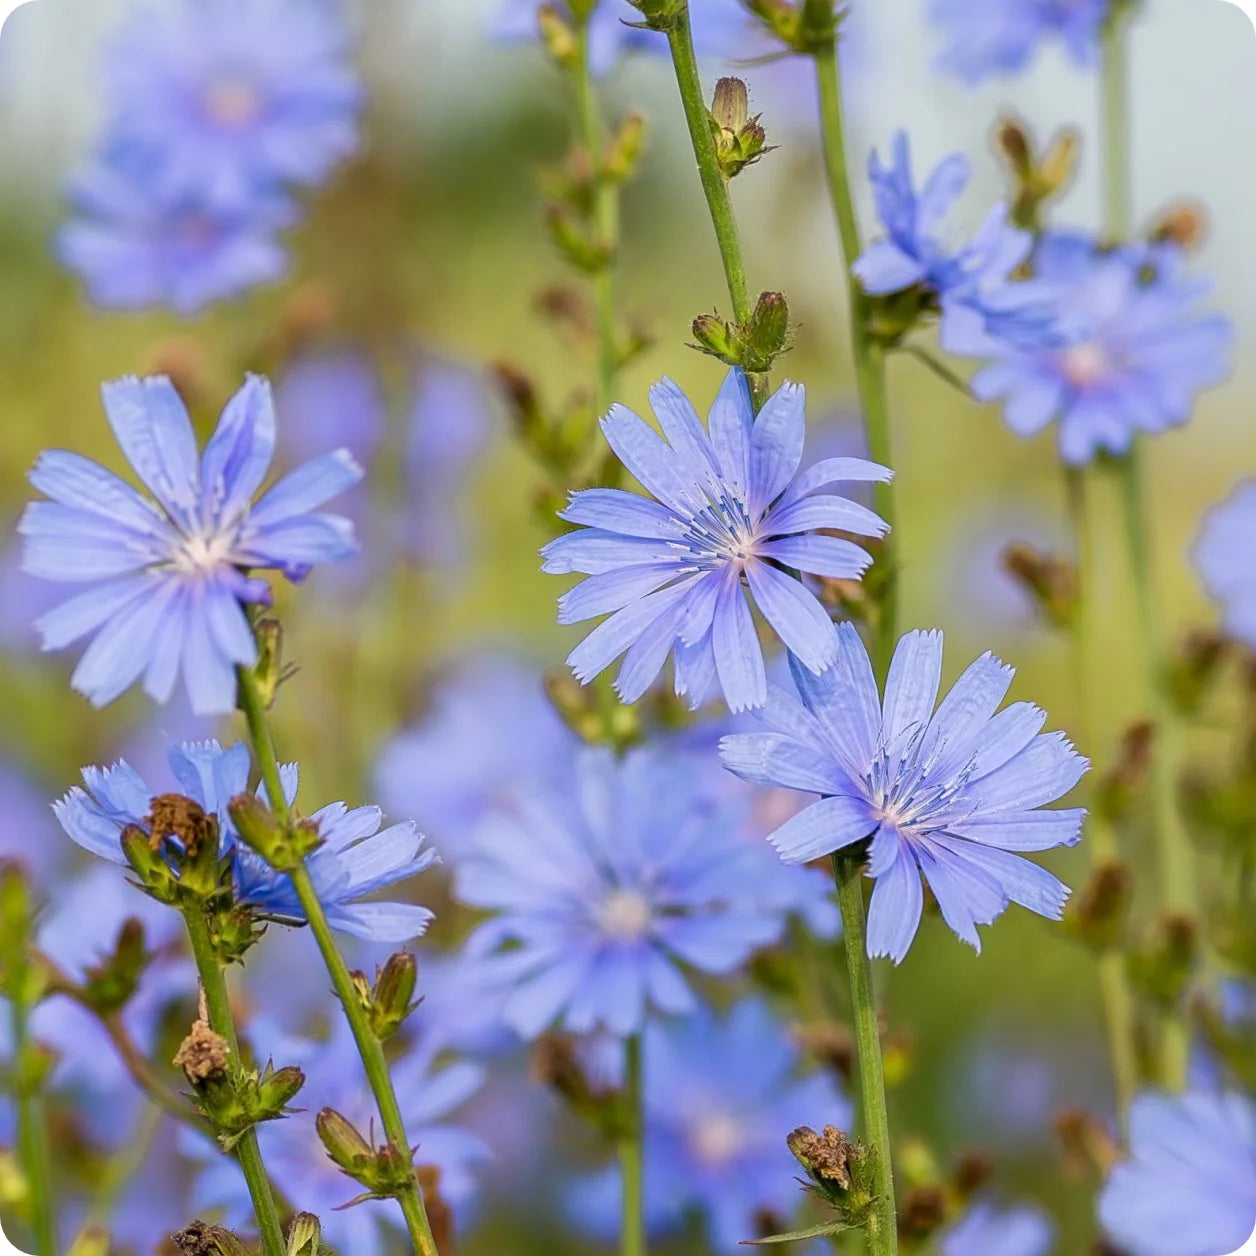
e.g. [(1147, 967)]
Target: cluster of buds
[(389, 1001), (1099, 916), (933, 1195), (1037, 176), (841, 1174), (806, 27), (284, 842), (753, 345), (109, 983), (385, 1171), (740, 139), (1165, 965)]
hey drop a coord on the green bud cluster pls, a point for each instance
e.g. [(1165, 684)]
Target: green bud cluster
[(385, 1171), (803, 26), (284, 842), (390, 1000), (754, 345), (234, 1101), (740, 139)]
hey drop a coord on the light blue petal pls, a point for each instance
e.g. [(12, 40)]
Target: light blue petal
[(796, 614), (911, 688), (776, 443), (684, 431), (614, 635), (730, 421), (738, 655), (612, 590), (811, 513), (883, 268), (825, 826), (771, 760), (81, 614), (648, 457), (238, 454), (76, 481), (895, 908), (614, 510), (306, 489), (819, 555)]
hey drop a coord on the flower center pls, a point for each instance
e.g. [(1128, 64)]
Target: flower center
[(720, 533), (202, 553), (717, 1139), (625, 914), (1086, 364), (232, 103)]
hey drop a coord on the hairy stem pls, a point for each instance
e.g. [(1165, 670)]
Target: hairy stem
[(848, 875), (32, 1135), (868, 354), (218, 1009), (631, 1156), (371, 1051)]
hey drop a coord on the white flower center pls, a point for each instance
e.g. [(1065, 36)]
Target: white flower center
[(625, 914), (202, 553), (232, 103), (1086, 364), (717, 1139)]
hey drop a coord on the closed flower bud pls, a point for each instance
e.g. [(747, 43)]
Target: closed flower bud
[(1099, 914), (1013, 141), (270, 670), (923, 1211), (343, 1144), (625, 149), (151, 868), (305, 1235), (739, 139), (1184, 225), (660, 15), (1089, 1150), (20, 980), (557, 35), (768, 330), (276, 1089), (580, 248), (716, 337), (1194, 668), (109, 984), (1123, 784), (284, 844), (1051, 582), (394, 994)]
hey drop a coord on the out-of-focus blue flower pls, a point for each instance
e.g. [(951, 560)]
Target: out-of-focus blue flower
[(327, 401), (1189, 1185), (721, 1096), (136, 243), (954, 794), (981, 303), (989, 37), (604, 889), (728, 505), (236, 98), (1223, 558), (169, 577), (27, 834), (984, 1231), (429, 1095), (1134, 352), (355, 859)]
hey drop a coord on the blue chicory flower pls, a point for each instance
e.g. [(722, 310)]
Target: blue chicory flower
[(1133, 351), (721, 1095), (981, 304), (430, 1094), (169, 578), (603, 889), (728, 506), (953, 794), (237, 98), (992, 37), (355, 858), (1189, 1185), (985, 1231), (1223, 558)]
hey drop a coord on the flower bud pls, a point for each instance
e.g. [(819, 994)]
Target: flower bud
[(840, 1169), (739, 139), (922, 1211), (1051, 582), (305, 1235), (391, 1000), (1099, 914), (557, 36), (151, 868), (581, 249), (660, 15), (625, 149), (1194, 668), (270, 670), (767, 331), (1123, 784), (110, 983), (1164, 967), (343, 1144), (1185, 225), (284, 844), (20, 979)]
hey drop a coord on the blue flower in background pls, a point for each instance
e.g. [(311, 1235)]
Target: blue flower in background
[(981, 304), (984, 1231), (330, 400), (27, 835), (137, 244), (354, 860), (953, 794), (721, 1095), (236, 97), (605, 888), (168, 577), (991, 37), (730, 507), (1133, 356), (1223, 558), (429, 1095), (1189, 1185)]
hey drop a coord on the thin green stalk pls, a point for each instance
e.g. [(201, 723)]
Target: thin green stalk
[(714, 184), (221, 1021), (374, 1062), (868, 354), (605, 220), (631, 1156), (32, 1137), (848, 875)]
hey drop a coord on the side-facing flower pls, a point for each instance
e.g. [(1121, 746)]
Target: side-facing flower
[(721, 1095), (729, 520), (1223, 558), (986, 1231), (605, 889), (1132, 355), (991, 37), (955, 795), (1189, 1185), (170, 577), (973, 285), (354, 859)]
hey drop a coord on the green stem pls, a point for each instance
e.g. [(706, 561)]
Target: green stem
[(848, 875), (374, 1062), (631, 1156), (714, 184), (32, 1135), (221, 1021), (868, 353)]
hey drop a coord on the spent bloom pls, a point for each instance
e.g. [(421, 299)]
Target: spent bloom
[(354, 859), (721, 1094), (1223, 558), (1189, 1185), (235, 98), (980, 302), (169, 574), (604, 889), (992, 37), (1133, 355), (730, 520), (986, 1231), (955, 795)]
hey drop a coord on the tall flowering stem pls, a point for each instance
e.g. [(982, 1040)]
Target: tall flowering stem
[(631, 1155), (369, 1047), (868, 354), (32, 1136), (221, 1021), (1177, 876), (848, 874)]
